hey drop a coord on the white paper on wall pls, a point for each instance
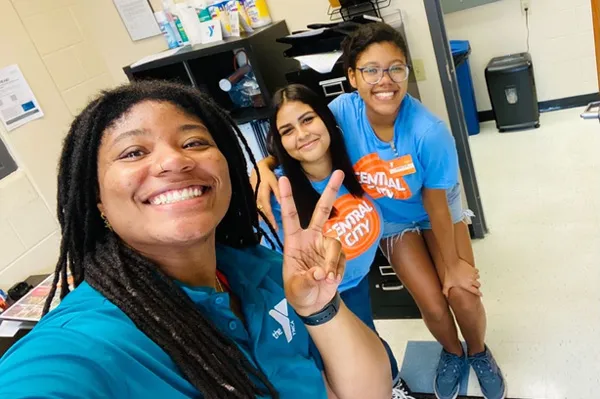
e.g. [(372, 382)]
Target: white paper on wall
[(18, 105), (138, 18)]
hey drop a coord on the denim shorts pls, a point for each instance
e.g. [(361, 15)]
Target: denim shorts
[(457, 212)]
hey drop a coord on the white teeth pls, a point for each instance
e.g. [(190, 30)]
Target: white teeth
[(385, 96), (176, 196)]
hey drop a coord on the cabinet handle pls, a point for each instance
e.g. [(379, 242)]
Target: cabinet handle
[(392, 286), (386, 271)]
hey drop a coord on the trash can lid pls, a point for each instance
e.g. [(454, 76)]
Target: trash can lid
[(509, 63), (461, 49), (460, 46)]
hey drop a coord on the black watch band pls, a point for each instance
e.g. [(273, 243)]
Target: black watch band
[(325, 314)]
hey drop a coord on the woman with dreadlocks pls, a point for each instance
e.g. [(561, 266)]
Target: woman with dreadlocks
[(174, 296)]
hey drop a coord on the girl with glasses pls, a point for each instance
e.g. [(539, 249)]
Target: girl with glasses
[(405, 159)]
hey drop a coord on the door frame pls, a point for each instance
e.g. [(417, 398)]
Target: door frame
[(443, 55), (596, 22)]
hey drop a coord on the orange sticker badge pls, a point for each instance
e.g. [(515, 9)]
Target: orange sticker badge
[(356, 225), (381, 178), (402, 166)]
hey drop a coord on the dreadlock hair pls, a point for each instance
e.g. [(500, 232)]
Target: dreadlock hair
[(209, 360)]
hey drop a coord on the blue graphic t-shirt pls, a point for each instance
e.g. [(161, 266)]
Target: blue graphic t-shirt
[(357, 224), (421, 155), (88, 348)]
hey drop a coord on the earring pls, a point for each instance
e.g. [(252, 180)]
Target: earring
[(106, 222)]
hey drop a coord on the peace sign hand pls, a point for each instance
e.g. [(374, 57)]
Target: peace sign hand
[(313, 265)]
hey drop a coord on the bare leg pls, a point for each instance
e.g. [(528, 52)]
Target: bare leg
[(413, 265), (468, 308)]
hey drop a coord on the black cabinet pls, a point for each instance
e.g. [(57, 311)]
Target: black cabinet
[(389, 298), (204, 65)]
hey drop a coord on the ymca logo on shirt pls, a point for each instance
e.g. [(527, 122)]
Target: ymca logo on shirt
[(281, 315), (381, 178), (356, 224)]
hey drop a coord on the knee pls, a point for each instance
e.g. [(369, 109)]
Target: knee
[(436, 312), (463, 301)]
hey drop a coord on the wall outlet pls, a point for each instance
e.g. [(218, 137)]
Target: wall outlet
[(526, 6), (419, 69)]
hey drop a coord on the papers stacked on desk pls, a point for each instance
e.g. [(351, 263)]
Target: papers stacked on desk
[(30, 307)]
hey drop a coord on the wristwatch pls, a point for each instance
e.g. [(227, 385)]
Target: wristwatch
[(325, 314)]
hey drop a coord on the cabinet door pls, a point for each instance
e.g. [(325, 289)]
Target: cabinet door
[(457, 5)]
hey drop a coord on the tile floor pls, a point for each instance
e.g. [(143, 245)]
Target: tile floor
[(540, 264)]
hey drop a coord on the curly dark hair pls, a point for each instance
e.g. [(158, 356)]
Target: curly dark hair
[(211, 361), (366, 35)]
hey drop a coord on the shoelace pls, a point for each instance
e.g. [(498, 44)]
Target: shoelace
[(452, 366), (400, 393), (484, 368)]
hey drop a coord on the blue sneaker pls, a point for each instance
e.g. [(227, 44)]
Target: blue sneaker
[(489, 375), (449, 373)]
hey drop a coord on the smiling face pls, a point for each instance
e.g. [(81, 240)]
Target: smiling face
[(384, 98), (303, 134), (161, 177)]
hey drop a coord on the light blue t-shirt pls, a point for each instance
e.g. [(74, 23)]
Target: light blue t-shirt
[(421, 155), (357, 224), (88, 348)]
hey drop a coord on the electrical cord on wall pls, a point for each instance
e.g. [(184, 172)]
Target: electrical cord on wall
[(527, 24)]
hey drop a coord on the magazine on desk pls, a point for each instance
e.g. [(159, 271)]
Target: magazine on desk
[(30, 307)]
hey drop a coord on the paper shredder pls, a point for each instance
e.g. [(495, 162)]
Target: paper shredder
[(511, 86)]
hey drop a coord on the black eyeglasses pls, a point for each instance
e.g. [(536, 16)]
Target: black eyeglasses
[(373, 75)]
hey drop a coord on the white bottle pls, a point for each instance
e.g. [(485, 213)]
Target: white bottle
[(258, 11), (172, 14)]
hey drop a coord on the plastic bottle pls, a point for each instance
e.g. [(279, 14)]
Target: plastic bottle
[(171, 11), (218, 10), (234, 17), (189, 19), (258, 11), (166, 29)]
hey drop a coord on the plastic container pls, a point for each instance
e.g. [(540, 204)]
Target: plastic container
[(218, 11), (234, 18), (202, 11), (173, 17), (167, 30), (190, 21), (461, 50), (258, 11)]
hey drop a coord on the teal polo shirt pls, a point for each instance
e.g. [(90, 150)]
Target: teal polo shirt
[(88, 348)]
